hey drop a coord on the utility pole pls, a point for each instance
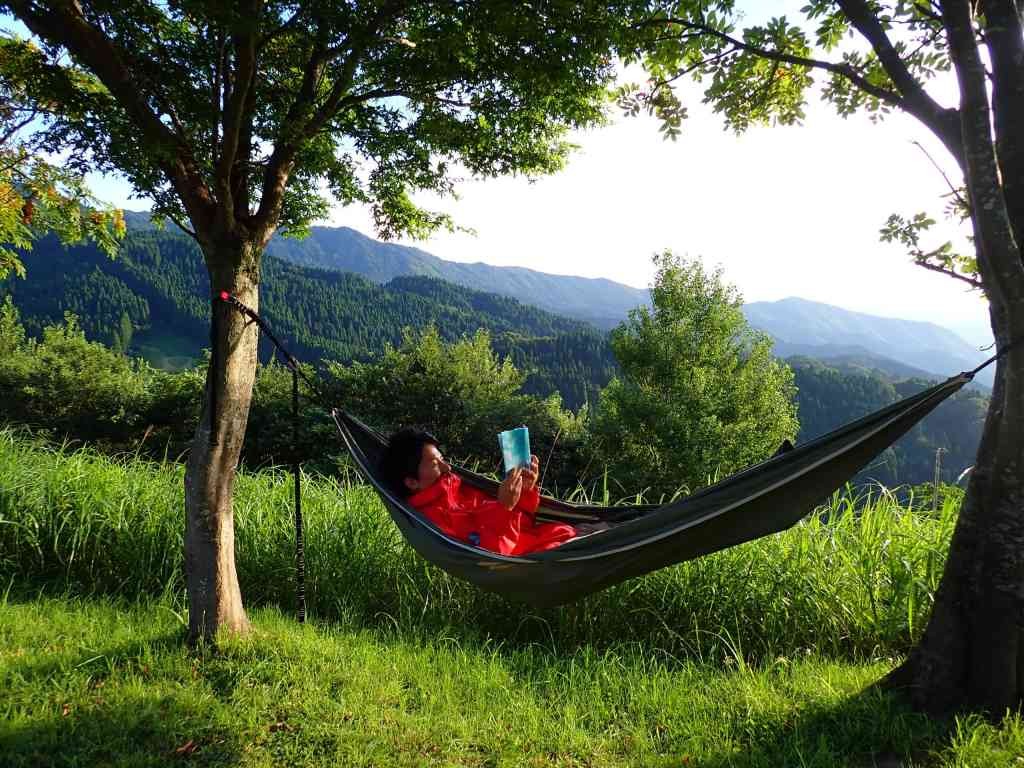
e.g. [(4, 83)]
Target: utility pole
[(935, 485)]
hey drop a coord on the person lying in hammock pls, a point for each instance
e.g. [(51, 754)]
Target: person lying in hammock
[(415, 469)]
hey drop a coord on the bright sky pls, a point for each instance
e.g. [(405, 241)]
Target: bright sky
[(786, 211)]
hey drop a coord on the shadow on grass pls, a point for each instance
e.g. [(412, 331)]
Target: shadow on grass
[(871, 729), (144, 722), (139, 730)]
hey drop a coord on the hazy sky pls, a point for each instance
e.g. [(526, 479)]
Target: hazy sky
[(786, 211)]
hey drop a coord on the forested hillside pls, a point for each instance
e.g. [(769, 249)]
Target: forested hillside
[(829, 396), (604, 303), (151, 301)]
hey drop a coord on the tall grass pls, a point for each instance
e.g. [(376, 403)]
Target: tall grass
[(857, 578)]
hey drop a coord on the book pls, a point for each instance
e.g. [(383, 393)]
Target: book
[(515, 448)]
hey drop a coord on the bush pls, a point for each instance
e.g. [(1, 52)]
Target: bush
[(465, 395)]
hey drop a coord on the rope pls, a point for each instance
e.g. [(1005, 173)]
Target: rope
[(289, 359), (995, 357), (300, 548), (295, 368), (214, 368)]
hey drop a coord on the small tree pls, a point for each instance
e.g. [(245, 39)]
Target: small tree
[(237, 118), (465, 394), (69, 385), (700, 394)]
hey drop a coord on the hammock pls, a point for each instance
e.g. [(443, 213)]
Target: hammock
[(764, 499)]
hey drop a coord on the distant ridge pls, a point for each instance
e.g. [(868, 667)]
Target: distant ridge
[(599, 301), (798, 326), (822, 331)]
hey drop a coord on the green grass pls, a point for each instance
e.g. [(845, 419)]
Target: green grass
[(857, 584), (97, 683), (164, 349), (762, 655)]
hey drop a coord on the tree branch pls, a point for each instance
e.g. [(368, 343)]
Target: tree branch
[(235, 117), (839, 68), (62, 24), (944, 123), (954, 191), (928, 11), (280, 30), (181, 225), (971, 281), (12, 131)]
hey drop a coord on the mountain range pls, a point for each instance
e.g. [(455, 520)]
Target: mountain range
[(601, 302), (798, 326)]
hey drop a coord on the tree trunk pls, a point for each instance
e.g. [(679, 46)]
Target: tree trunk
[(972, 652), (215, 600)]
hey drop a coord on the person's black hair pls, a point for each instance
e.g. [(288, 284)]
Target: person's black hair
[(401, 458)]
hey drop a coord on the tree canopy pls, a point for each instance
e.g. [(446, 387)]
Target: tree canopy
[(700, 394), (38, 194), (260, 112)]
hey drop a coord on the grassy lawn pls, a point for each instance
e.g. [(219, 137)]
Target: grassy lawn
[(94, 682), (762, 655)]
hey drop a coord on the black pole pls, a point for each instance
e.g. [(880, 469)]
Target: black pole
[(300, 557), (213, 373)]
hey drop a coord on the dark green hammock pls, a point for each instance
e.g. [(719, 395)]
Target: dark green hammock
[(766, 498)]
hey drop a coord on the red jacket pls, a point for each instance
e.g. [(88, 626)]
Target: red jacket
[(461, 510)]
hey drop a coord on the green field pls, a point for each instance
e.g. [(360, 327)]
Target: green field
[(164, 349), (765, 654)]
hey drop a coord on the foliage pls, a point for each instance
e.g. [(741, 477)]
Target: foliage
[(700, 395), (81, 390), (78, 387), (162, 422), (38, 196), (159, 281), (259, 110), (761, 74), (465, 394)]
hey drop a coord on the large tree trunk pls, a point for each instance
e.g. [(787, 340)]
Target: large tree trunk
[(972, 652), (215, 600)]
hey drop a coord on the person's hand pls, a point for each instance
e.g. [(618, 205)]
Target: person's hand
[(530, 475), (511, 488)]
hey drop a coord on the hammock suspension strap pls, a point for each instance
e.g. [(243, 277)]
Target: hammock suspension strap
[(293, 365)]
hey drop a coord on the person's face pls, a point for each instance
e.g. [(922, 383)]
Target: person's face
[(432, 467)]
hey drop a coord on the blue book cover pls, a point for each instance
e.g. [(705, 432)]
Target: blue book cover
[(515, 448)]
